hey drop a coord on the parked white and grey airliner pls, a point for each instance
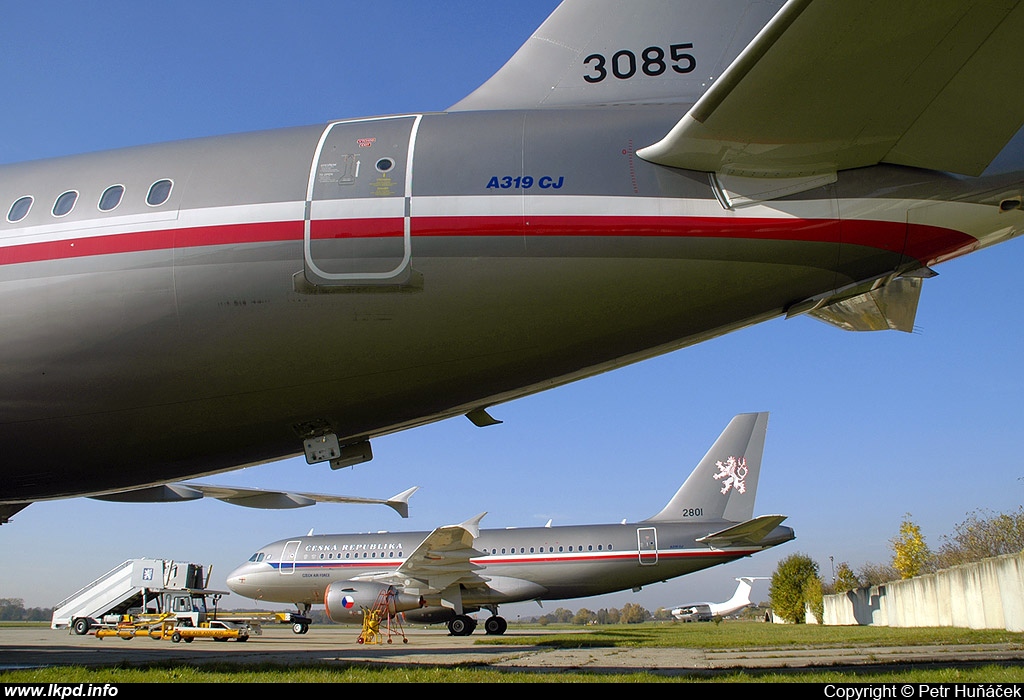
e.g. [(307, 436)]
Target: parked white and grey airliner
[(642, 175), (446, 574), (706, 611)]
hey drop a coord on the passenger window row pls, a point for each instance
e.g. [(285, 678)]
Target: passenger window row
[(159, 193)]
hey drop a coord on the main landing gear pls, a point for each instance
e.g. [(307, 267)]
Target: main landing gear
[(463, 625)]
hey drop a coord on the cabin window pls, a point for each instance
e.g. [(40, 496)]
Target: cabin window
[(19, 210), (159, 192), (65, 203), (531, 550), (111, 197)]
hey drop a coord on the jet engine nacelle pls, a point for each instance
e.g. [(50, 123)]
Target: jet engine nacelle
[(345, 601)]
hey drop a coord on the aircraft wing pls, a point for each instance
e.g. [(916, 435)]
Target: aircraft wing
[(249, 497), (751, 532), (831, 84), (443, 558)]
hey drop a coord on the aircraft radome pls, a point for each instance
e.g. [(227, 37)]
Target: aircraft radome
[(446, 574), (642, 175)]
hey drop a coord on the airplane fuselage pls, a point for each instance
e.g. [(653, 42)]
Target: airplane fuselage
[(366, 276), (539, 563)]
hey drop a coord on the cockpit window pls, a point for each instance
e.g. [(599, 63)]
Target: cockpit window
[(111, 197), (256, 558), (19, 210), (159, 192)]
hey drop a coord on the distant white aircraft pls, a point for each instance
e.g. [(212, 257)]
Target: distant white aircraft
[(703, 612)]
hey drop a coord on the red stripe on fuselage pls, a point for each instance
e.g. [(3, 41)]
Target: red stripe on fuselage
[(142, 241), (921, 242), (349, 564)]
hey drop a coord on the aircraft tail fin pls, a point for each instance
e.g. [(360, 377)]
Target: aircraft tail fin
[(591, 52), (742, 595), (724, 484)]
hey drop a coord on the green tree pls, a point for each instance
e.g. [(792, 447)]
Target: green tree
[(846, 580), (814, 597), (633, 613), (663, 614), (788, 586), (584, 617), (910, 552)]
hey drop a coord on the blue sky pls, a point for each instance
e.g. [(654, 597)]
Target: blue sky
[(864, 427)]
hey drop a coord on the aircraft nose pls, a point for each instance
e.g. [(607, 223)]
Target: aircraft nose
[(241, 580)]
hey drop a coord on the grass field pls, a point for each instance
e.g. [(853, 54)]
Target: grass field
[(732, 635)]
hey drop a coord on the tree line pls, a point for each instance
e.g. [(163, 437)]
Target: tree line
[(14, 610), (797, 585)]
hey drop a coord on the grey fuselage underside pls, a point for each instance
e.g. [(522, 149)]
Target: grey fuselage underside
[(142, 363)]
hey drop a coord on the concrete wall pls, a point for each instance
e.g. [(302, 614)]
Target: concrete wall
[(986, 595)]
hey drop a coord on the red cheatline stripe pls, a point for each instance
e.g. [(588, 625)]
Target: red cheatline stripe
[(169, 239), (922, 242), (506, 560)]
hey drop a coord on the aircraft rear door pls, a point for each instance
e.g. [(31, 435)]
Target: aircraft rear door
[(288, 554), (647, 545), (357, 228)]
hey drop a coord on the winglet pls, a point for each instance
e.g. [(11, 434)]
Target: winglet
[(472, 526), (400, 502)]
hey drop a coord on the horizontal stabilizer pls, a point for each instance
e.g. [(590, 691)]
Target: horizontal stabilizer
[(830, 85), (752, 532), (249, 497)]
